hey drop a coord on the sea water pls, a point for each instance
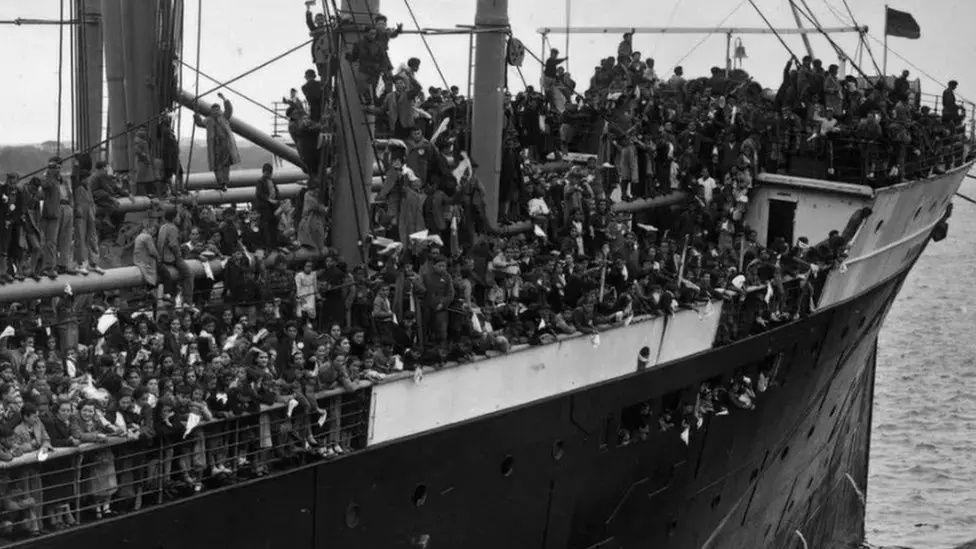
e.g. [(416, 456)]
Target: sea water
[(922, 475)]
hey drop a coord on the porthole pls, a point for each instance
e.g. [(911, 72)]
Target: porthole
[(420, 495), (352, 515), (557, 450), (508, 465), (643, 357), (878, 226)]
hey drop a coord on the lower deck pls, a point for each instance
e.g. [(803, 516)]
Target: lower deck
[(554, 473)]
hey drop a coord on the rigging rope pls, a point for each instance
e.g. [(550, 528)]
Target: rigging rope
[(770, 25), (369, 129), (862, 43), (168, 110), (196, 90), (706, 37), (60, 74), (234, 91), (426, 44), (829, 39), (914, 66)]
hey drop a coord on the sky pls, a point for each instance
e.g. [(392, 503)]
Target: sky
[(240, 34)]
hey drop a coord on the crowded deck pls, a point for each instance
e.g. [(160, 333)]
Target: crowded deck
[(249, 346)]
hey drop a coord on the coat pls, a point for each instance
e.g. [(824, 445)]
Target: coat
[(221, 146), (411, 213), (145, 257)]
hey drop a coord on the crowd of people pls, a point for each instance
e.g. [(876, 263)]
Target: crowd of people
[(289, 318)]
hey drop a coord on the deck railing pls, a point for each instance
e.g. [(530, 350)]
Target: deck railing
[(72, 485)]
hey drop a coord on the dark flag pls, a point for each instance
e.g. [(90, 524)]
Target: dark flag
[(901, 23)]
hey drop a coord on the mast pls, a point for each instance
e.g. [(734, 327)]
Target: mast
[(88, 77), (799, 25), (354, 152), (488, 102), (139, 44), (118, 148)]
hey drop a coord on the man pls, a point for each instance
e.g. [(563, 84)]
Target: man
[(305, 133), (314, 92), (8, 208), (86, 238), (399, 110), (626, 47), (373, 62), (57, 222), (27, 225), (901, 88), (146, 177), (707, 185), (409, 73), (323, 43), (105, 189), (171, 169), (950, 110), (221, 147), (266, 201), (171, 255), (438, 290), (677, 84), (421, 155)]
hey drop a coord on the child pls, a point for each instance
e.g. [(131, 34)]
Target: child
[(306, 290)]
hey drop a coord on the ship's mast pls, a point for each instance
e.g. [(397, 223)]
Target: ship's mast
[(354, 152), (118, 148), (88, 76), (488, 120)]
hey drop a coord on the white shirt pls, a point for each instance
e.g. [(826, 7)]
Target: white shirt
[(538, 207), (708, 188)]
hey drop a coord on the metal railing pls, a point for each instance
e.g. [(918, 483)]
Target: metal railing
[(79, 484)]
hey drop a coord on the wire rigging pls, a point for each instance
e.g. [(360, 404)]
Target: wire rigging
[(426, 44), (707, 36), (770, 25)]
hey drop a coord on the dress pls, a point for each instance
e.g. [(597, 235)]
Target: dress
[(311, 229)]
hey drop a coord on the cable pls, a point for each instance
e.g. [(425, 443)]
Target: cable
[(426, 44), (916, 67), (238, 93), (770, 25), (706, 37), (671, 15), (827, 36), (196, 89), (60, 76)]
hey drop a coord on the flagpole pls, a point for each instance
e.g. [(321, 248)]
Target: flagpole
[(884, 64)]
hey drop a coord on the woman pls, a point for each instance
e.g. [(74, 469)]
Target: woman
[(57, 475), (98, 467), (312, 231)]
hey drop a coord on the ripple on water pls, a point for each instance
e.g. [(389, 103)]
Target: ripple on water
[(922, 478)]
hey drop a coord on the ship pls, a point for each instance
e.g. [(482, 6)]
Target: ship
[(525, 449)]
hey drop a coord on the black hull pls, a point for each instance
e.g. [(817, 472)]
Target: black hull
[(797, 465)]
